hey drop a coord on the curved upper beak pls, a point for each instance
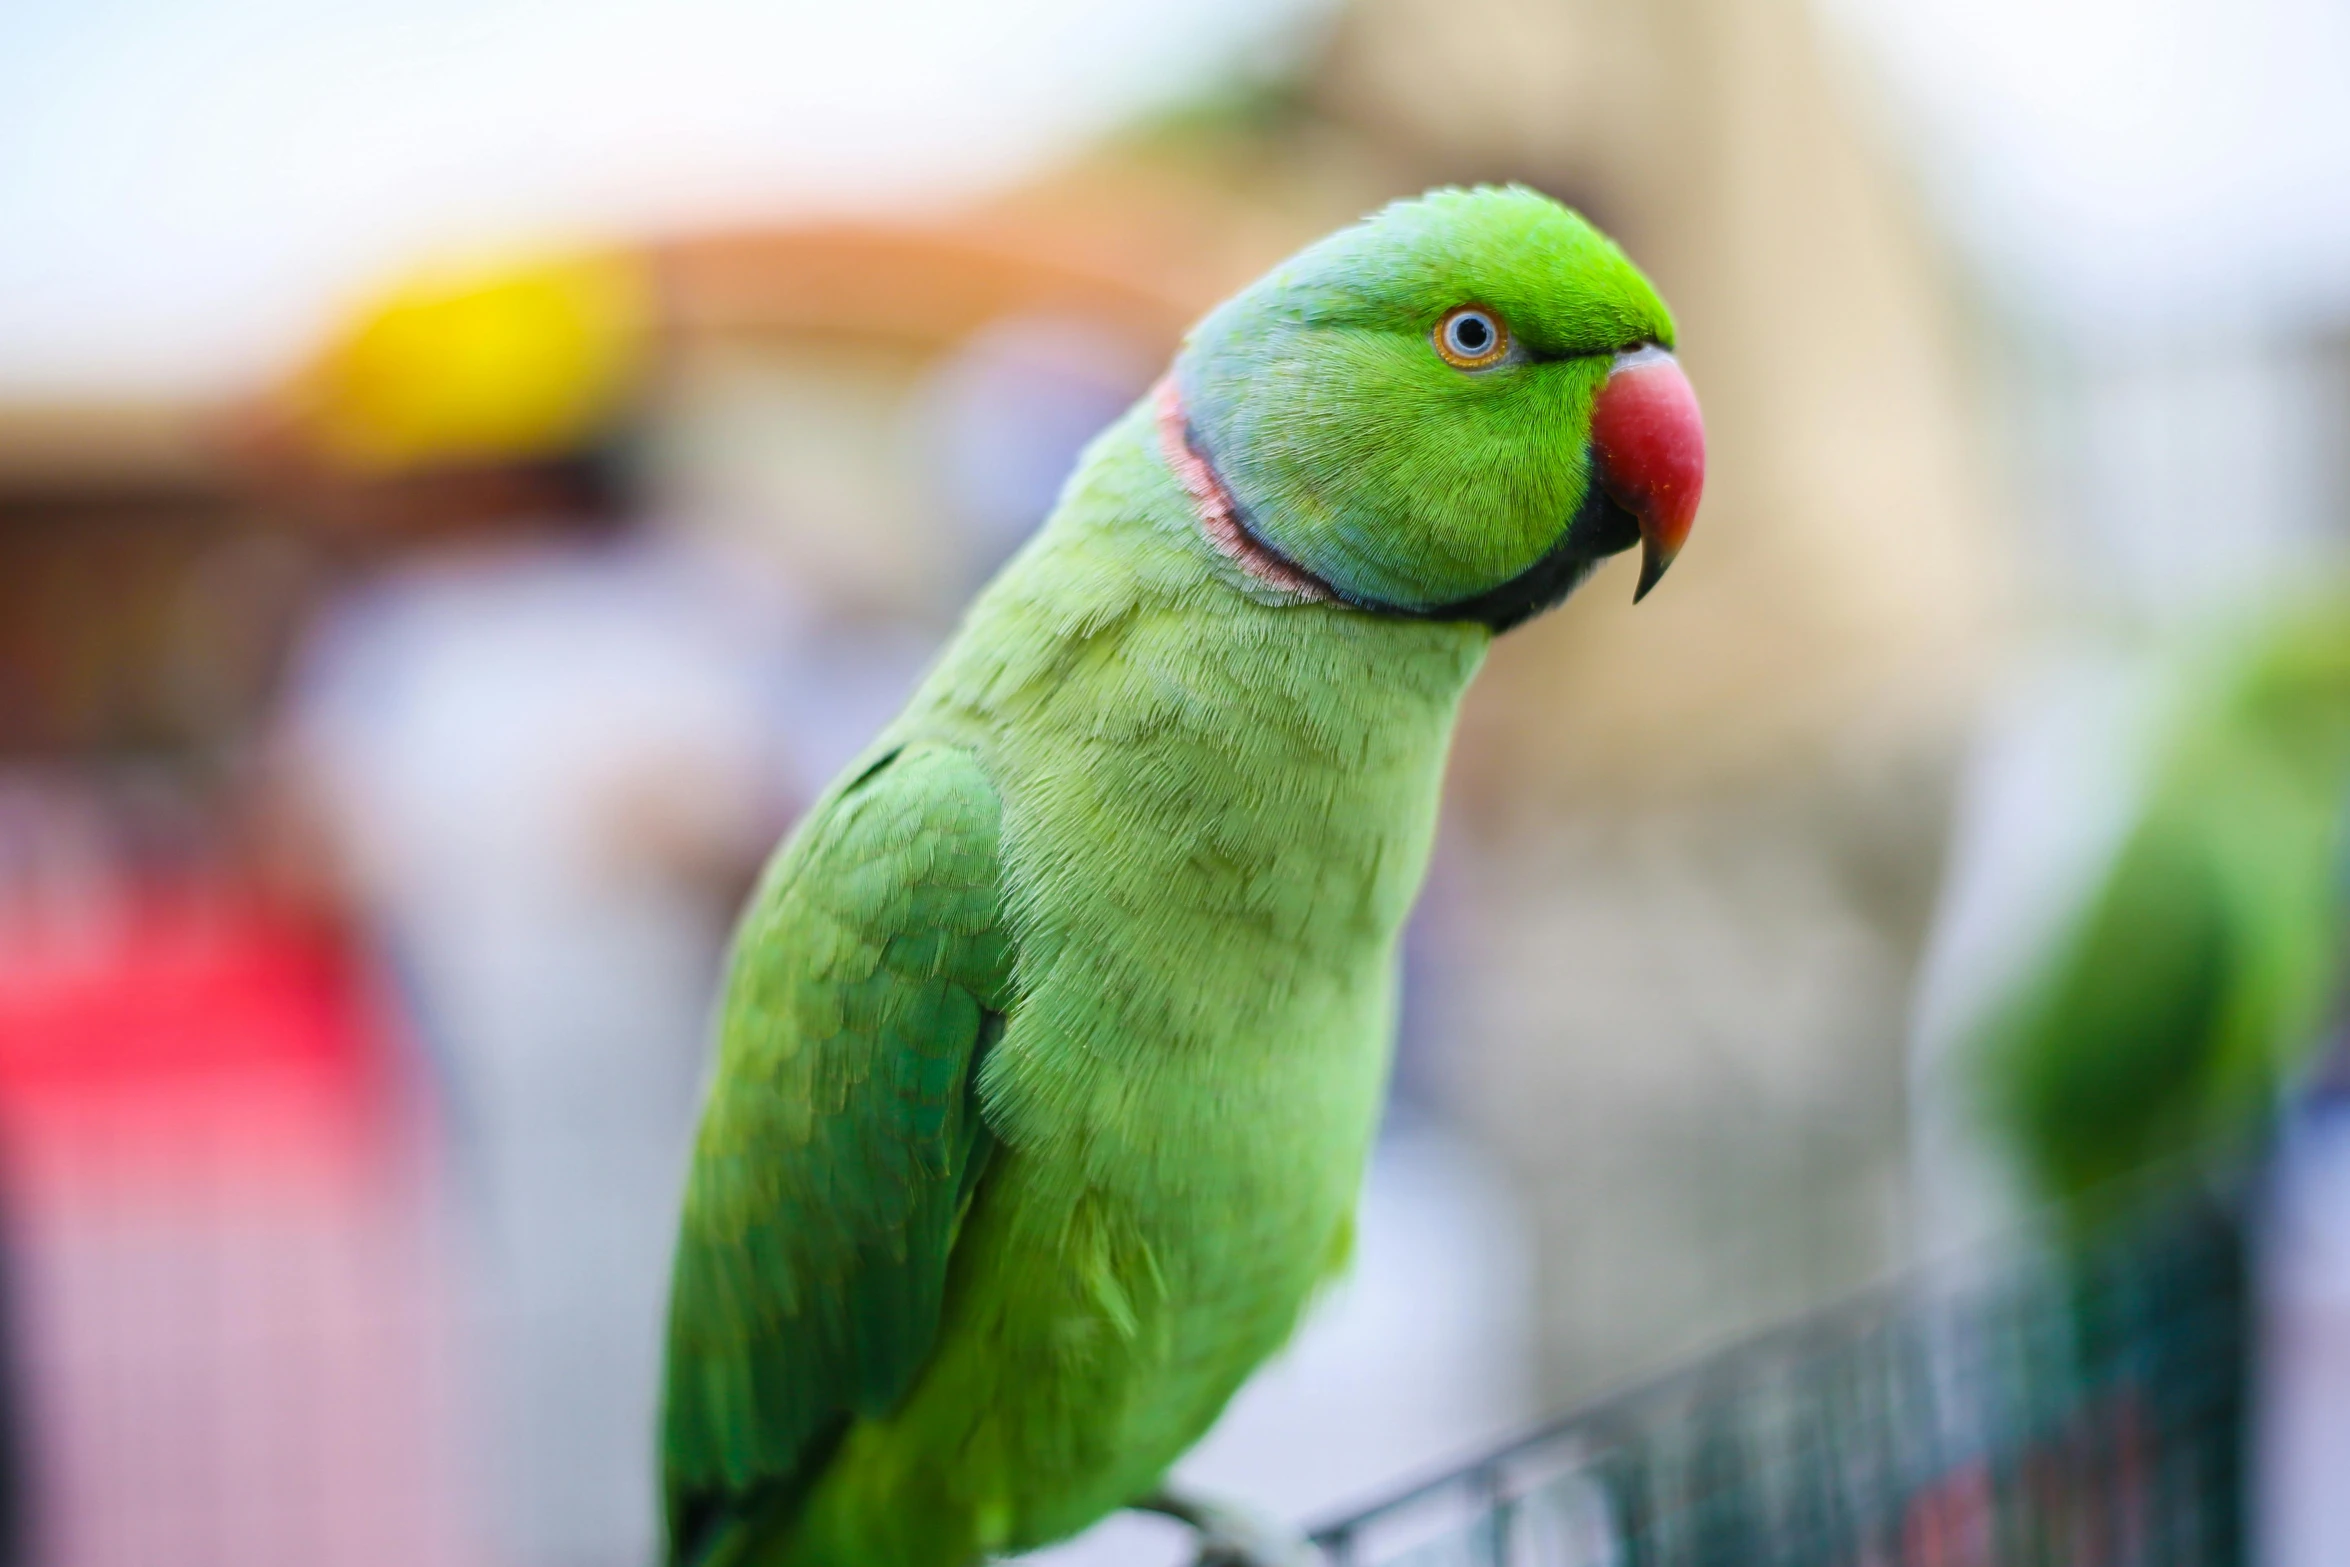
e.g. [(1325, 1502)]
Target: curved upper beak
[(1649, 442)]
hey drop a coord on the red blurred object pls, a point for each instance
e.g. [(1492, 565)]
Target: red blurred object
[(181, 1037), (232, 1313)]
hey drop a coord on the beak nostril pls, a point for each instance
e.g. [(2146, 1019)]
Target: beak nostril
[(1640, 354)]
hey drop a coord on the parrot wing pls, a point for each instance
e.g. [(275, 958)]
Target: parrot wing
[(842, 1140), (2094, 1072)]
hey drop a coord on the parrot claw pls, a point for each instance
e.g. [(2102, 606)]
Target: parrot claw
[(1232, 1536)]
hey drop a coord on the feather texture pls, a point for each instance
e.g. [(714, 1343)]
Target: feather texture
[(833, 1171), (1213, 820)]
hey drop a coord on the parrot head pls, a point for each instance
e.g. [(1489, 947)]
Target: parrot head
[(1453, 410)]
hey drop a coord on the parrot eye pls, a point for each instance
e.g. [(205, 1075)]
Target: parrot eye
[(1471, 337)]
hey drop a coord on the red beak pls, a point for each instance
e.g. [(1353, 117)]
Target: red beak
[(1649, 440)]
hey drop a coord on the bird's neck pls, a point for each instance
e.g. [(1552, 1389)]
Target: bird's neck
[(1130, 593)]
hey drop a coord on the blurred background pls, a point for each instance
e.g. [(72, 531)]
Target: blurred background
[(469, 473)]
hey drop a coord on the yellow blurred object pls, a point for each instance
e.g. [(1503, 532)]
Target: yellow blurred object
[(464, 368)]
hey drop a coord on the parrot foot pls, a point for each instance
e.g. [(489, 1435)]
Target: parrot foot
[(1231, 1536)]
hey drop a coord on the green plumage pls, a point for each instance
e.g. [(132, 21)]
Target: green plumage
[(2205, 964), (1057, 1033)]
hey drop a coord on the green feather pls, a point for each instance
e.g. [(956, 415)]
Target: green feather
[(832, 1173)]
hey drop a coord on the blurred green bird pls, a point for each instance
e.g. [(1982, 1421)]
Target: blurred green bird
[(2203, 970), (1057, 1032)]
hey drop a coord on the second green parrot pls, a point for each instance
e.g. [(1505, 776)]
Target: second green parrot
[(2203, 969)]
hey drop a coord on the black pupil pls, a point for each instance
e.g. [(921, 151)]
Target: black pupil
[(1471, 334)]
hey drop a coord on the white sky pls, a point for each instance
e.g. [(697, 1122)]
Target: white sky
[(187, 187), (2132, 169)]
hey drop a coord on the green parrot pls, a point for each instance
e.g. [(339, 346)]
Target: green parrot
[(1056, 1033), (2203, 968)]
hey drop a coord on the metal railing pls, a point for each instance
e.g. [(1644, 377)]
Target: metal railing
[(2024, 1412)]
